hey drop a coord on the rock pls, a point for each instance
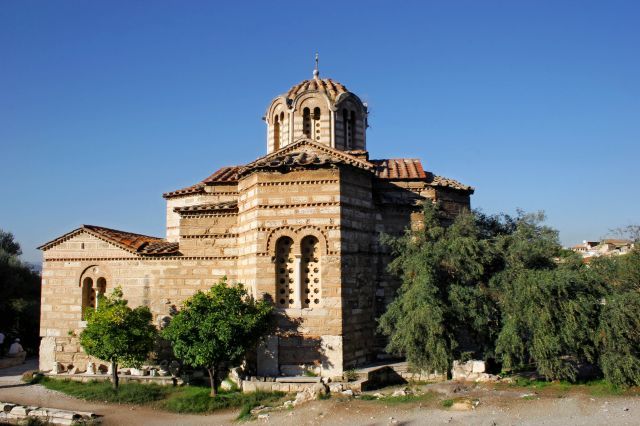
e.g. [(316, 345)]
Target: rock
[(399, 392), (57, 368), (91, 368), (378, 395), (484, 377), (288, 404), (310, 393), (226, 384), (477, 366), (335, 387), (20, 410), (257, 409), (74, 370), (263, 416), (348, 392), (6, 406), (463, 404)]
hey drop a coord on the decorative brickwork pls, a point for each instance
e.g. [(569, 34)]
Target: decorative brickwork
[(299, 226)]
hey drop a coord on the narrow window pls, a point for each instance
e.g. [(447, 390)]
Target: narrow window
[(352, 130), (276, 133), (284, 273), (310, 266), (346, 128), (306, 122), (316, 123), (283, 131), (88, 296), (101, 284)]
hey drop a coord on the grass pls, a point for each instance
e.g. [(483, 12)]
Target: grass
[(186, 399), (447, 403), (401, 399), (128, 393), (560, 388)]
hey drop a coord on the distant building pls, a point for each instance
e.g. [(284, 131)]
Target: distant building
[(606, 247)]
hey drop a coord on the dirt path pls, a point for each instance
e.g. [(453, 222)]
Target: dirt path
[(495, 408)]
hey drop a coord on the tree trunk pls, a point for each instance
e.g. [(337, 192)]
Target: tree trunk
[(114, 375), (213, 379)]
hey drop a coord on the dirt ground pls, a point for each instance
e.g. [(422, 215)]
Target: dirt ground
[(496, 406)]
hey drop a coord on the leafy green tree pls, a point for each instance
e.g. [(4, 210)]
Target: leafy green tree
[(619, 338), (443, 310), (117, 333), (19, 295), (217, 328), (549, 302)]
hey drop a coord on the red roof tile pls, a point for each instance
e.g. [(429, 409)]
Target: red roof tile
[(135, 243), (228, 174), (399, 168)]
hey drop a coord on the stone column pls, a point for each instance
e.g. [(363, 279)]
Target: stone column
[(297, 281)]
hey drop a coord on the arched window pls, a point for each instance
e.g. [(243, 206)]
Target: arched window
[(101, 288), (283, 131), (346, 124), (316, 124), (284, 273), (88, 295), (310, 271), (276, 133), (306, 122)]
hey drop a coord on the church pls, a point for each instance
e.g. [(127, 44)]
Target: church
[(299, 226)]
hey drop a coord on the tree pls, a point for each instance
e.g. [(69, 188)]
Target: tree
[(619, 338), (443, 310), (218, 327), (19, 295), (8, 244), (117, 333)]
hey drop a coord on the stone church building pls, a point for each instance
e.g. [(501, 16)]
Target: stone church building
[(299, 226)]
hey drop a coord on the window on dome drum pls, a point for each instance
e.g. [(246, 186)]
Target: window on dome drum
[(276, 133), (284, 273), (282, 141), (316, 123), (310, 271), (306, 122)]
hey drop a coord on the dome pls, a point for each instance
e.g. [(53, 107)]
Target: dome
[(331, 88)]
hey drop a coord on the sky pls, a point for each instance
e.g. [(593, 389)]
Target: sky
[(105, 105)]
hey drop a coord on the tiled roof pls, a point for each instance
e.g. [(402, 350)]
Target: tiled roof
[(231, 205), (224, 174), (135, 243), (399, 168), (305, 152), (228, 174), (444, 182), (331, 88)]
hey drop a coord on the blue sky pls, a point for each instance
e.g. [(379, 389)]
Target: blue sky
[(105, 105)]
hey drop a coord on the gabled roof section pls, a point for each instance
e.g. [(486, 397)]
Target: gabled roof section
[(227, 174), (134, 243), (305, 152), (445, 182)]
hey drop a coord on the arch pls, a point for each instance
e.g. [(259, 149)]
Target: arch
[(93, 283), (310, 271), (296, 234), (285, 269), (306, 122), (315, 128), (88, 295), (276, 133)]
